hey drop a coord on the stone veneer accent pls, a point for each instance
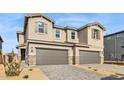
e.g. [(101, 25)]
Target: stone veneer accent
[(70, 60), (32, 59), (76, 60)]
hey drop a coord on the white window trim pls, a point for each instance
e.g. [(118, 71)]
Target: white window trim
[(74, 36), (95, 37), (45, 27), (59, 33)]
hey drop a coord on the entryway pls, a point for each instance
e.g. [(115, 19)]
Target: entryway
[(22, 54)]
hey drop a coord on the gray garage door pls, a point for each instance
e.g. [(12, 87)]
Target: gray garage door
[(51, 57), (88, 57)]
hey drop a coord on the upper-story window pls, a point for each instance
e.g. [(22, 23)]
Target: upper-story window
[(72, 35), (95, 34), (41, 27), (58, 33)]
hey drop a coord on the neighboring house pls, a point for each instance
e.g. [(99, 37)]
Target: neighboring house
[(44, 43), (114, 46), (1, 56), (1, 41), (8, 57)]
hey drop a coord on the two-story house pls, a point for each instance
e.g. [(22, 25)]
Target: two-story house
[(1, 41), (44, 43)]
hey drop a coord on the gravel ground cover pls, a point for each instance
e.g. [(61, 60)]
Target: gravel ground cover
[(108, 67), (68, 72)]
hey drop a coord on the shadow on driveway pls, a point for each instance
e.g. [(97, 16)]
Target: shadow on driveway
[(114, 77)]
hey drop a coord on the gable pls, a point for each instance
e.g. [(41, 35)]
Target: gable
[(36, 15), (93, 24)]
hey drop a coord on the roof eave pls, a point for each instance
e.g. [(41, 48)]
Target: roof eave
[(91, 24), (114, 33)]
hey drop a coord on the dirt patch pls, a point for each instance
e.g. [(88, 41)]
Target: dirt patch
[(28, 73)]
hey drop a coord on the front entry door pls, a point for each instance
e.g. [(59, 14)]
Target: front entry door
[(22, 54)]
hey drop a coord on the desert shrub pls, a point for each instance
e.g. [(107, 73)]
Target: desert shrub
[(30, 69), (12, 68)]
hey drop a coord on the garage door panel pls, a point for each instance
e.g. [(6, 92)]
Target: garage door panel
[(89, 57), (51, 57)]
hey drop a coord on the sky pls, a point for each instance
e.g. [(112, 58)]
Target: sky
[(10, 23)]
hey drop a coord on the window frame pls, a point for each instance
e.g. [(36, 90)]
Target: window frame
[(73, 35), (44, 27), (58, 33), (96, 34)]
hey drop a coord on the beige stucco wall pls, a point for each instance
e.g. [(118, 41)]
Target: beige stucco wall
[(21, 39), (83, 36), (62, 35), (51, 32), (98, 43), (32, 34), (26, 35), (33, 46)]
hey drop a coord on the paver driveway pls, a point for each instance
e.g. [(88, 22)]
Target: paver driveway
[(68, 72)]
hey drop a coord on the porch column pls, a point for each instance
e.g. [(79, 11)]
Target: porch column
[(101, 57)]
